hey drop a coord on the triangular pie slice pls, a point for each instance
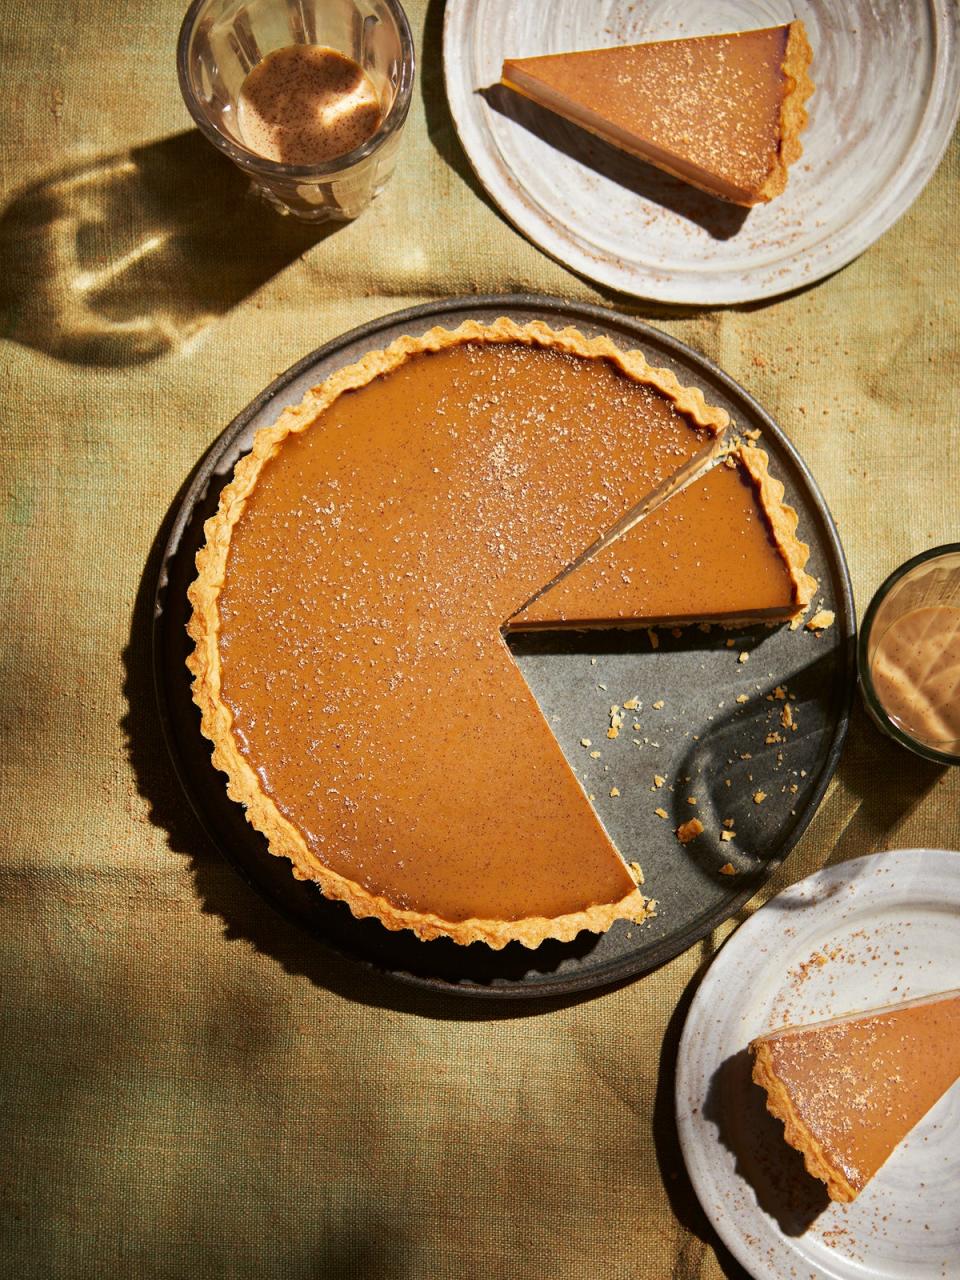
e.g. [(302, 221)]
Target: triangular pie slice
[(723, 549), (723, 112), (850, 1089)]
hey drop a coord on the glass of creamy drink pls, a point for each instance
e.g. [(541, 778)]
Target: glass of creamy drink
[(308, 97), (909, 655)]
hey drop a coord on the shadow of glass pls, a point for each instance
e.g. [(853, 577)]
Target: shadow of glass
[(775, 1171), (883, 784), (717, 217), (121, 260), (793, 765)]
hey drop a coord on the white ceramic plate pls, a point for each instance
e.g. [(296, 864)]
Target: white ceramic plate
[(865, 932), (887, 97)]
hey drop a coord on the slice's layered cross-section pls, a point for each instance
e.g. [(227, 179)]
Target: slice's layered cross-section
[(723, 549), (349, 664), (850, 1089), (723, 112)]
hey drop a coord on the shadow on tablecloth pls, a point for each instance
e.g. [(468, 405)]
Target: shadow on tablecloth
[(117, 261)]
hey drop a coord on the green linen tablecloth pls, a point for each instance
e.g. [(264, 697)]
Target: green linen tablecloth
[(189, 1086)]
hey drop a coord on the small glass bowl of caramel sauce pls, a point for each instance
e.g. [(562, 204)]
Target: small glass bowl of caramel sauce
[(909, 655)]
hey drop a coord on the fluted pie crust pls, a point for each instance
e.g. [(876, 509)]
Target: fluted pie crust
[(284, 836)]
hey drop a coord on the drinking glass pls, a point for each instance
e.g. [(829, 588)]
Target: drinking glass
[(930, 580), (222, 40)]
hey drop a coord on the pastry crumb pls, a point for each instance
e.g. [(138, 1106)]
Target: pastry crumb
[(654, 638), (728, 869), (661, 813), (586, 742), (637, 870), (613, 732), (658, 705), (728, 835), (658, 782), (614, 792), (631, 704), (594, 755), (743, 697), (821, 620), (744, 656), (688, 831), (649, 909), (759, 797)]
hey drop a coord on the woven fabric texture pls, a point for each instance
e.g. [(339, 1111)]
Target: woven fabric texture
[(189, 1086)]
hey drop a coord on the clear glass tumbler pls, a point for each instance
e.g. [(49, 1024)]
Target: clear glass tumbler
[(909, 632), (222, 40)]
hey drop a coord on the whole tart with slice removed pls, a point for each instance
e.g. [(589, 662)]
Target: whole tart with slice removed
[(850, 1089), (722, 112), (348, 614)]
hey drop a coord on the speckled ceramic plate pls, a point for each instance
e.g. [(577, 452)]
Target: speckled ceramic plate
[(863, 933), (705, 742), (887, 97)]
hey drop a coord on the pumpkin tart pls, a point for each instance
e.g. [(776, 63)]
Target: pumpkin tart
[(723, 549), (350, 663), (722, 112), (850, 1089)]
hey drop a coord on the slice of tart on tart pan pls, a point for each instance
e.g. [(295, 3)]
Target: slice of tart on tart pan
[(723, 549)]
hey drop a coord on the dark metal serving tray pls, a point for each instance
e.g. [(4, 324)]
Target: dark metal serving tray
[(728, 750)]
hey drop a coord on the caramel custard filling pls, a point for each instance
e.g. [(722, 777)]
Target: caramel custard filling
[(366, 582)]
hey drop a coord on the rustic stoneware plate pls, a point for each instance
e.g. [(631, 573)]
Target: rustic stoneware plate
[(863, 933), (887, 96), (701, 739)]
